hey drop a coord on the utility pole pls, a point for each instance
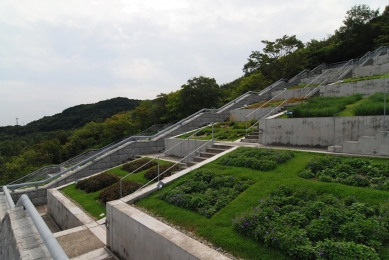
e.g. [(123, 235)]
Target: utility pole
[(17, 121)]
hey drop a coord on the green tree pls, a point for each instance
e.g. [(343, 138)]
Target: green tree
[(279, 59), (198, 93)]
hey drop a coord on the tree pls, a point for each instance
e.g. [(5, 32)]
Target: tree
[(198, 93), (357, 35), (279, 59)]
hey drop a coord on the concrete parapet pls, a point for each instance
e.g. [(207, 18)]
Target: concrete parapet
[(19, 239), (64, 212), (319, 132), (369, 145), (365, 87)]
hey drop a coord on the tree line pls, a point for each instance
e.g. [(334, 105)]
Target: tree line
[(52, 140)]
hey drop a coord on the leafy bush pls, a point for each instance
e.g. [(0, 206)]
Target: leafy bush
[(308, 225), (113, 192), (374, 106), (257, 159), (132, 166), (206, 192), (97, 182), (360, 172), (153, 172)]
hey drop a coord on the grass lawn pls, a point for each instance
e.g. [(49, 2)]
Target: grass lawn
[(219, 228), (89, 202), (223, 131), (365, 78)]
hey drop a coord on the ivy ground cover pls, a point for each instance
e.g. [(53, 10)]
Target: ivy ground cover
[(220, 230)]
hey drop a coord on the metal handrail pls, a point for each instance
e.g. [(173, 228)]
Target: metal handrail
[(347, 71), (37, 172), (297, 76), (313, 91), (316, 78), (319, 67), (364, 58), (157, 158), (56, 251), (267, 115), (344, 65), (275, 108), (201, 146), (262, 106)]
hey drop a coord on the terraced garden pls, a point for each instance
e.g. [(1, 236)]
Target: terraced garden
[(223, 131), (273, 213), (91, 194)]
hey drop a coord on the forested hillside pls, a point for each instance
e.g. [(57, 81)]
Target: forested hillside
[(62, 136)]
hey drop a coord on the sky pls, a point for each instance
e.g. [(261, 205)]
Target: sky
[(58, 54)]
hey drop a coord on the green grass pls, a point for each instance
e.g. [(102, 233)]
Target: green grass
[(88, 201), (224, 131), (323, 106), (219, 228), (364, 78)]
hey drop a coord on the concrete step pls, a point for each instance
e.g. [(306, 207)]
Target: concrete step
[(222, 147), (199, 159), (3, 206), (207, 155), (214, 150), (249, 140), (252, 137), (191, 164)]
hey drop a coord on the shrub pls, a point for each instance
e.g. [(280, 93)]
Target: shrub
[(358, 172), (257, 159), (307, 225), (113, 192), (153, 172), (97, 182), (206, 192), (132, 166)]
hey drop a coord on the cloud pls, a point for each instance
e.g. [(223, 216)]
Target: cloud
[(56, 54)]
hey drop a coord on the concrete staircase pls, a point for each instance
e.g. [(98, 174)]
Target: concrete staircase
[(252, 137), (209, 152), (369, 145)]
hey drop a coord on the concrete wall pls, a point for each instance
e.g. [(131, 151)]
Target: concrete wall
[(175, 147), (240, 114), (370, 145), (371, 70), (365, 87), (133, 234), (19, 239), (64, 212), (382, 59), (294, 93), (318, 131)]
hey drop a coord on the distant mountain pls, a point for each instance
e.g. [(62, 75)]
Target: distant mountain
[(75, 117)]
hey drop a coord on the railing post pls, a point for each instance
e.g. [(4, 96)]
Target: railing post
[(334, 132), (158, 168), (212, 132), (121, 194)]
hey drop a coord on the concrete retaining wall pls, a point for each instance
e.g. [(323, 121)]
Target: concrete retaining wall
[(19, 239), (370, 145), (318, 131), (240, 114), (64, 212), (186, 147), (371, 70), (135, 235), (365, 87)]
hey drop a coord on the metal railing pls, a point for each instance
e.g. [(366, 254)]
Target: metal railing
[(261, 107), (43, 171), (180, 161), (280, 105), (298, 75), (162, 154), (56, 251), (316, 78), (314, 90)]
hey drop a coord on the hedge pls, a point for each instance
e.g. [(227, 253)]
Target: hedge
[(97, 182), (132, 166), (113, 192)]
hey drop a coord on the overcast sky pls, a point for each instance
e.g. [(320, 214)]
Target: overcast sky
[(58, 54)]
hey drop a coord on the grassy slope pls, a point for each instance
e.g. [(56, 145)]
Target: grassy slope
[(219, 229)]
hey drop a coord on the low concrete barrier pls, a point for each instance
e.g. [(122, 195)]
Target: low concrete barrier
[(318, 131)]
